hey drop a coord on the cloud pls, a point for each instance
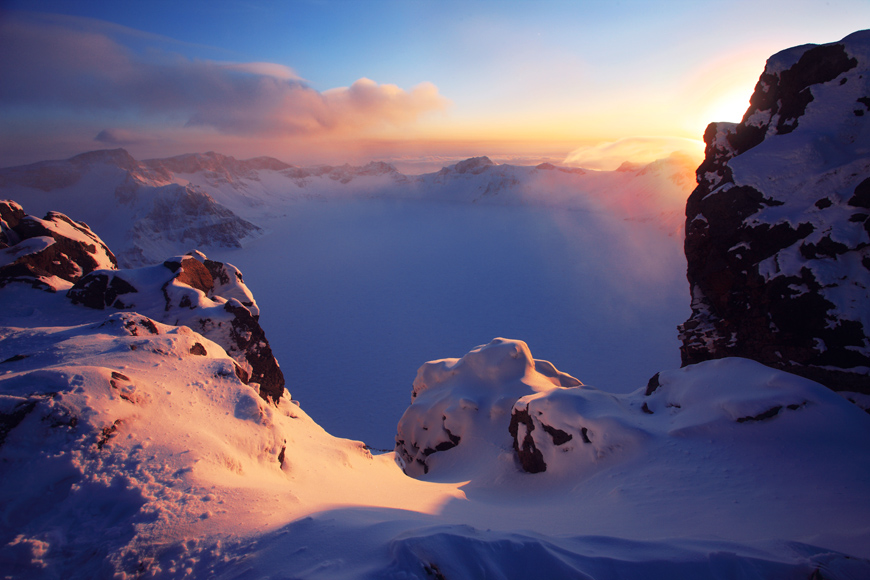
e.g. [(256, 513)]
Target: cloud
[(120, 137), (610, 155), (61, 66)]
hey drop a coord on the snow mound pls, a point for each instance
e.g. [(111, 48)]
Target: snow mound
[(580, 428), (469, 414), (463, 405)]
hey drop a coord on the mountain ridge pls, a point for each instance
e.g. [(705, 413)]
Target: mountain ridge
[(221, 202)]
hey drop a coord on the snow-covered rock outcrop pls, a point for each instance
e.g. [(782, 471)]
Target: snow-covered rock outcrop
[(497, 401), (577, 428), (47, 252), (777, 231), (466, 404), (207, 296), (59, 254)]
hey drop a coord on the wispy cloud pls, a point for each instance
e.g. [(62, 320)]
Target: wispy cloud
[(120, 137), (72, 67), (610, 155)]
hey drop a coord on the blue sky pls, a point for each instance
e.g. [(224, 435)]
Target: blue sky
[(442, 78)]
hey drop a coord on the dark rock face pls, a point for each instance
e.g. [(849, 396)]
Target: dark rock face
[(100, 290), (530, 457), (249, 339), (534, 436), (10, 215), (41, 252), (777, 246), (204, 295)]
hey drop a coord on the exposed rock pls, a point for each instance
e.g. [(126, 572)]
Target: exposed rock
[(524, 444), (100, 290), (198, 293), (777, 256), (47, 253), (10, 215)]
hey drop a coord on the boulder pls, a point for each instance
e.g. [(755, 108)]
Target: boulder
[(47, 253)]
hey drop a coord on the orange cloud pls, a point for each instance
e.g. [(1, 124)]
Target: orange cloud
[(610, 155), (365, 102)]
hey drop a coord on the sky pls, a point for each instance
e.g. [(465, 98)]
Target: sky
[(414, 82)]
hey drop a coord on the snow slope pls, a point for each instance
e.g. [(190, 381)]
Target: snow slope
[(124, 446), (127, 454)]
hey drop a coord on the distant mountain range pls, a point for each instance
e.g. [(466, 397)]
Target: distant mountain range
[(149, 209)]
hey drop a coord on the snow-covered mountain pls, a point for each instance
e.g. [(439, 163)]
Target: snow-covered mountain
[(158, 207), (137, 440), (139, 210), (130, 446), (777, 234)]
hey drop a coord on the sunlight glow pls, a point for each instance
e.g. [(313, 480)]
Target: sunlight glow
[(730, 107)]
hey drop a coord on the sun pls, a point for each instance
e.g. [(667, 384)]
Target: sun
[(729, 107)]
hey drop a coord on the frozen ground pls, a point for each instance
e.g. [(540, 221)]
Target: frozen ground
[(357, 294)]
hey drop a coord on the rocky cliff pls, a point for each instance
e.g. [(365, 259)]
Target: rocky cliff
[(777, 230), (58, 254)]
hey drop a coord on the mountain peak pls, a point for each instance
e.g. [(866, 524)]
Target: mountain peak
[(474, 165), (119, 157)]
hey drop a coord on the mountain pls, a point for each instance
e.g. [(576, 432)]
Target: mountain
[(777, 231), (134, 442), (150, 209), (137, 208)]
